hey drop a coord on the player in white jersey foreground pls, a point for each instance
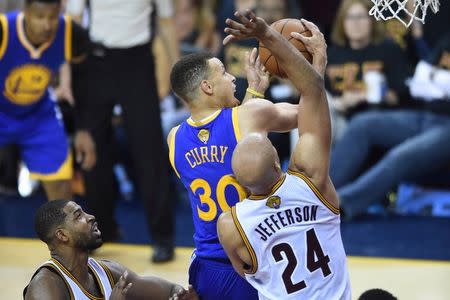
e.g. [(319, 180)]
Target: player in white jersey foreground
[(71, 234), (285, 238)]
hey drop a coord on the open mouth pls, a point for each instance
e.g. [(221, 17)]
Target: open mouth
[(95, 228)]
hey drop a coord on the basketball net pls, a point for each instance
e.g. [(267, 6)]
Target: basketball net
[(389, 9)]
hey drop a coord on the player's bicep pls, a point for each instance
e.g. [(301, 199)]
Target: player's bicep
[(311, 155), (227, 233), (263, 116)]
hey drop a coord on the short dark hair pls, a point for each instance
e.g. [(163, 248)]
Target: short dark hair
[(187, 74), (28, 2), (376, 294), (49, 216)]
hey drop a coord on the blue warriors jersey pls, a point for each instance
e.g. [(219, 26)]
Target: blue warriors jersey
[(200, 154), (26, 71)]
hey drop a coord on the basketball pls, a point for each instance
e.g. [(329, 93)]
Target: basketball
[(285, 27)]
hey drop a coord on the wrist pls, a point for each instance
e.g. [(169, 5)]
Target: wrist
[(255, 93)]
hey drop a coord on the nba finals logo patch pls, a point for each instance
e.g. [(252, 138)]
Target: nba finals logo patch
[(27, 84), (203, 135), (274, 202)]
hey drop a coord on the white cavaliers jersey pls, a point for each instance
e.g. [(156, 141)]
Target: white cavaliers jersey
[(101, 273), (294, 239)]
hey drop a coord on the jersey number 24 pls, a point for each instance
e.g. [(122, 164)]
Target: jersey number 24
[(313, 251)]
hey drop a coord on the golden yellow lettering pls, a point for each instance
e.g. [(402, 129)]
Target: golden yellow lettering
[(214, 157), (204, 153), (223, 150), (189, 161), (197, 157)]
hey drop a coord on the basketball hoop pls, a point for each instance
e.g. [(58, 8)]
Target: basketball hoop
[(399, 9)]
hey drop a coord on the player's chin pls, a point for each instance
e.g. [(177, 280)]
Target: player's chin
[(234, 102)]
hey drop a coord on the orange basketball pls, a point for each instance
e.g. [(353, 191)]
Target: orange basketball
[(285, 27)]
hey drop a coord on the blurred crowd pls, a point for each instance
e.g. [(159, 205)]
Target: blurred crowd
[(388, 89)]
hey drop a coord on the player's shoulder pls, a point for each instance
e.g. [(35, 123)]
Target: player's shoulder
[(46, 284), (225, 218), (115, 268), (172, 133), (226, 227)]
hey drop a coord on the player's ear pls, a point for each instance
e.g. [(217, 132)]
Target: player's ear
[(61, 235), (206, 87)]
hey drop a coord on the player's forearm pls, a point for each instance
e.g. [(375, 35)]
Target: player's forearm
[(300, 72)]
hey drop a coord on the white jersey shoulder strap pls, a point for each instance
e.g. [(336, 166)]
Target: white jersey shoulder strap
[(102, 275)]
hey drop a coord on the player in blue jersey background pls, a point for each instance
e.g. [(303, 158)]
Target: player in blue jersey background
[(33, 46), (200, 151)]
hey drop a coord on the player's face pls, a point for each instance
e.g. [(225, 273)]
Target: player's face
[(82, 227), (223, 83), (41, 21), (357, 23)]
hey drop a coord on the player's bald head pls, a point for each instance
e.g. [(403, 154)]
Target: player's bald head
[(255, 162)]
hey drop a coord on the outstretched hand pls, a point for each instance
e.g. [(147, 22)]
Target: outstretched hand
[(189, 294), (315, 44), (257, 76), (248, 26), (121, 288)]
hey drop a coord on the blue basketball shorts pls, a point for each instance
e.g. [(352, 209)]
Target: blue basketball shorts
[(216, 280), (42, 141)]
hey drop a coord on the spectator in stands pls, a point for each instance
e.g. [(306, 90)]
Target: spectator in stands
[(359, 46), (121, 70), (416, 141), (10, 5)]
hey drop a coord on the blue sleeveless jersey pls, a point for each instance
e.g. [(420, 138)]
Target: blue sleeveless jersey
[(26, 72), (200, 154)]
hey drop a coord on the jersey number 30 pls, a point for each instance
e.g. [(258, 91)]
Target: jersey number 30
[(205, 198), (313, 251)]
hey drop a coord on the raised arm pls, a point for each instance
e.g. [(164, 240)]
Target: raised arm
[(311, 155)]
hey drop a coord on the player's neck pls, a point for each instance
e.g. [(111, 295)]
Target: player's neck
[(266, 188), (75, 262), (29, 36), (199, 113)]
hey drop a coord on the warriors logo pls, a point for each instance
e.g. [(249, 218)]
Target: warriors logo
[(27, 84), (203, 135), (274, 202)]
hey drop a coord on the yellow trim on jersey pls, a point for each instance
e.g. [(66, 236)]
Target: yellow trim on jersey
[(249, 247), (67, 272), (316, 191), (34, 53), (4, 42), (273, 190), (172, 150), (64, 172), (72, 297), (235, 119), (204, 121), (68, 38), (108, 273)]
